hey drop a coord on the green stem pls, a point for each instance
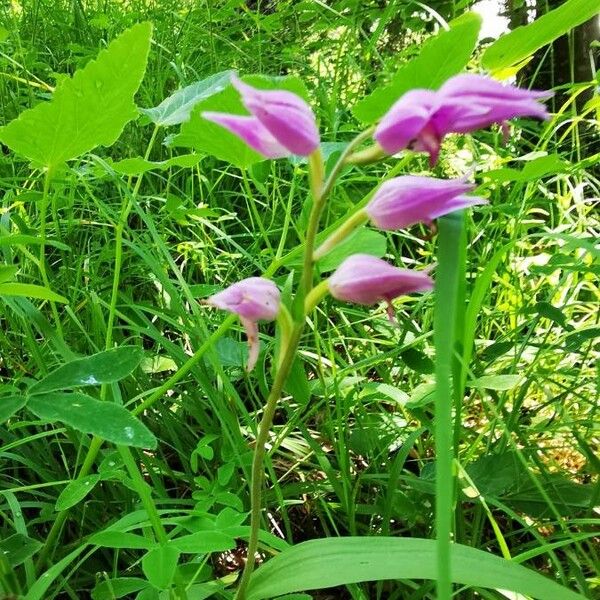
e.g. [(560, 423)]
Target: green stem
[(121, 224), (320, 192), (447, 287), (340, 234), (260, 453), (144, 493), (42, 257)]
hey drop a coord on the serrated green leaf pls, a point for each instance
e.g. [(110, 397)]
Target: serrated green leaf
[(177, 107), (440, 58), (76, 491), (138, 165), (9, 405), (29, 290), (331, 562), (17, 548), (107, 420), (159, 566), (104, 367), (121, 539), (521, 42), (210, 138), (88, 110)]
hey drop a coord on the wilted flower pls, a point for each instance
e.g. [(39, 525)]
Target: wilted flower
[(421, 118), (253, 299), (404, 201), (365, 279), (281, 123)]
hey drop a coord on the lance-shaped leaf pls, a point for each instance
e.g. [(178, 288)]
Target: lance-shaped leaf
[(177, 107), (88, 110)]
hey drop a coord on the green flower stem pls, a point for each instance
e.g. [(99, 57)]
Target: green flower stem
[(340, 234), (315, 296), (446, 293), (144, 493), (42, 256), (260, 453), (320, 193)]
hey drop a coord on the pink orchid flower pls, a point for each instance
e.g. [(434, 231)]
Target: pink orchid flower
[(365, 279), (404, 201), (253, 299), (421, 118), (280, 122)]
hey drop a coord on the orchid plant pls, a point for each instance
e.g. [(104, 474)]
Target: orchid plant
[(281, 124)]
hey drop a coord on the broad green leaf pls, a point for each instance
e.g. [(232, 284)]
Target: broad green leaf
[(118, 588), (441, 57), (330, 562), (365, 241), (88, 110), (107, 420), (25, 240), (203, 542), (9, 405), (210, 138), (524, 41), (177, 107), (496, 382), (121, 539), (159, 566), (7, 272), (138, 165), (104, 367), (17, 548), (29, 290), (76, 491)]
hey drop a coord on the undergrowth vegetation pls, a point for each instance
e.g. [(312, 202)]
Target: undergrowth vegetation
[(129, 417)]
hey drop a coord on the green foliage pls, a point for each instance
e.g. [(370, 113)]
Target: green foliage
[(104, 367), (331, 562), (91, 109), (442, 56), (522, 42), (176, 109), (352, 449), (104, 419)]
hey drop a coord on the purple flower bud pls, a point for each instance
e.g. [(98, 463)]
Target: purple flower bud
[(365, 279), (252, 299), (421, 118), (281, 123), (470, 102), (404, 201), (252, 131)]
